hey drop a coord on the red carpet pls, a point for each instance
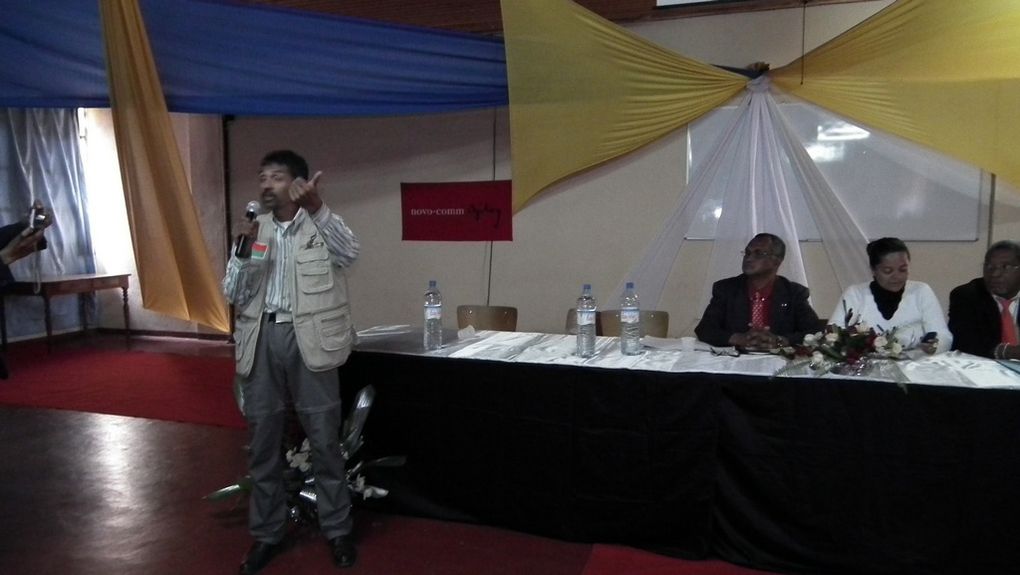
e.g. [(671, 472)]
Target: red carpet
[(134, 383), (613, 560), (392, 544)]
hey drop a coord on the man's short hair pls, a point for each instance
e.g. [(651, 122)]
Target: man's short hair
[(1004, 246), (776, 244), (297, 165)]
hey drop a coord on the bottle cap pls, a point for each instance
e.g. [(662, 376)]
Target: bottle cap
[(630, 285)]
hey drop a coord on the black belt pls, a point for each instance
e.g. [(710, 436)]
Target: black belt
[(283, 317)]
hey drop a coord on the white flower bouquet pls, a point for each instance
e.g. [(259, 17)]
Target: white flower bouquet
[(847, 346)]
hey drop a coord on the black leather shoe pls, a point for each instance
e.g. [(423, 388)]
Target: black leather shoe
[(344, 553), (259, 556)]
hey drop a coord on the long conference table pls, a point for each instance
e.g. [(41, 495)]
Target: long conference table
[(700, 454)]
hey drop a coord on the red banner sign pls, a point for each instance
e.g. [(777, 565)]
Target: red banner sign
[(457, 211)]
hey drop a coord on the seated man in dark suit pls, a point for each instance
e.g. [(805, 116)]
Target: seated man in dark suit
[(759, 309), (983, 311)]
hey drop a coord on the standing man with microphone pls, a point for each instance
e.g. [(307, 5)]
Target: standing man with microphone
[(293, 329)]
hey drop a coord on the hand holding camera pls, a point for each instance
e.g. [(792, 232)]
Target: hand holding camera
[(30, 239), (37, 217)]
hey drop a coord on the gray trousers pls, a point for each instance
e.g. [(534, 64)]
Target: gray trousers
[(279, 373)]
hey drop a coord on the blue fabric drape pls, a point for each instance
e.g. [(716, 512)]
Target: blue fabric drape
[(220, 58)]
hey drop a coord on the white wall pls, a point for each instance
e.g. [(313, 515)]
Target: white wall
[(772, 36), (591, 228)]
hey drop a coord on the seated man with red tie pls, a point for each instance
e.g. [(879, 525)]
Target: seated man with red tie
[(759, 309), (983, 311)]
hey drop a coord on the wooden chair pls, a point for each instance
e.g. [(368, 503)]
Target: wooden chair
[(491, 317), (653, 322)]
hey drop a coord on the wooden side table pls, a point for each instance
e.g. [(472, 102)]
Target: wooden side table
[(65, 285)]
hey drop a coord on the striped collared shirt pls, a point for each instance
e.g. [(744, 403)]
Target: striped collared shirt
[(278, 287), (240, 283)]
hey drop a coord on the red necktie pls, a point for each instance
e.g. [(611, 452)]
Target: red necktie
[(1008, 324), (757, 311)]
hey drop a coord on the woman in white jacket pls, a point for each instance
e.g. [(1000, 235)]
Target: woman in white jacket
[(892, 301)]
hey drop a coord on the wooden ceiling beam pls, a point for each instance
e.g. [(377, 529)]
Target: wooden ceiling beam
[(483, 16)]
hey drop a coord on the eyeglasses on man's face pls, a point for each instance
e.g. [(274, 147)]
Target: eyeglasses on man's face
[(1001, 268), (756, 254)]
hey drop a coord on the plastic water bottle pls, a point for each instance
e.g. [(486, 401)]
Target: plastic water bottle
[(433, 333), (630, 321), (586, 307)]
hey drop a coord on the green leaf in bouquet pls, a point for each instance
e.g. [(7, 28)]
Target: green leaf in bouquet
[(242, 487)]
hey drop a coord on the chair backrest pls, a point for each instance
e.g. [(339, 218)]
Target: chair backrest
[(653, 322), (570, 326), (492, 317)]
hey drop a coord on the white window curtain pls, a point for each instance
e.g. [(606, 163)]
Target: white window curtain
[(40, 160)]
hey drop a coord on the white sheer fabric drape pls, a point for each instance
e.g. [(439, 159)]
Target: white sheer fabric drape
[(756, 166), (41, 160)]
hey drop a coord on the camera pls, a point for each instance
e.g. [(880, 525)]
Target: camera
[(37, 218)]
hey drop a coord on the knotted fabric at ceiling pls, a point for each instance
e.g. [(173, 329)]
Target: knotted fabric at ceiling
[(942, 73)]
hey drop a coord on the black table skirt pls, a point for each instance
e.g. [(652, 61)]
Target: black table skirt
[(823, 476)]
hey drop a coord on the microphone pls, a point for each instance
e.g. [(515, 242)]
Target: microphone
[(243, 249)]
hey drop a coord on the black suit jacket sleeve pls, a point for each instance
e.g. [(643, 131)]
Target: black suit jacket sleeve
[(723, 312), (6, 276), (728, 312), (800, 319), (974, 319)]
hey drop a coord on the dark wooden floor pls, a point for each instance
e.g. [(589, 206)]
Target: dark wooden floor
[(93, 494), (84, 493)]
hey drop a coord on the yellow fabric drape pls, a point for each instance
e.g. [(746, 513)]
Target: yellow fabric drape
[(174, 267), (942, 73), (584, 91)]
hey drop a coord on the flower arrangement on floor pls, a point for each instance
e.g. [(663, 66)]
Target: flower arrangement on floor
[(843, 349), (298, 476)]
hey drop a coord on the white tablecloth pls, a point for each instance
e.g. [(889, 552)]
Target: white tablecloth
[(948, 369)]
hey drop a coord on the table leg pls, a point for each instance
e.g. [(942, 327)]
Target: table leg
[(127, 323), (3, 321), (83, 312), (49, 322)]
